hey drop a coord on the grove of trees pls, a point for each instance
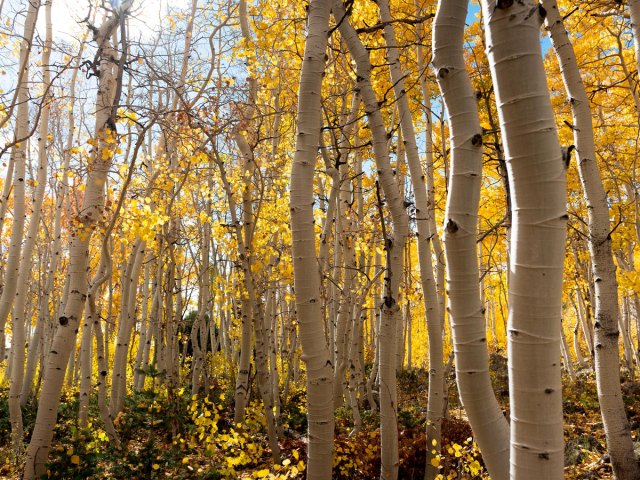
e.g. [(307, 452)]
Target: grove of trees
[(328, 239)]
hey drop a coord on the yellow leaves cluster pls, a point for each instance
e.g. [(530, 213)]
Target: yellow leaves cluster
[(466, 458), (288, 469), (126, 116), (142, 219)]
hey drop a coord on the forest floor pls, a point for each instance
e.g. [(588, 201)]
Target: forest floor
[(194, 438)]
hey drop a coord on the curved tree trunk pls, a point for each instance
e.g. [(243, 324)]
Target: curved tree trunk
[(424, 236), (394, 247), (18, 267), (93, 204), (538, 190), (489, 425), (315, 352), (607, 313)]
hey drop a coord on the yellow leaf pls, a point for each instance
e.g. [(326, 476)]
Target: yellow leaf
[(155, 466), (262, 473), (75, 459), (435, 462)]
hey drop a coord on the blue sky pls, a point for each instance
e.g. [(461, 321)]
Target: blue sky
[(474, 8)]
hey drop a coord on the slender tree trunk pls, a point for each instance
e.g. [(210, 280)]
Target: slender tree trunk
[(145, 330), (90, 320), (126, 321), (315, 352), (567, 357), (489, 425), (86, 347), (576, 335), (110, 84), (607, 313), (424, 236), (394, 247), (17, 269)]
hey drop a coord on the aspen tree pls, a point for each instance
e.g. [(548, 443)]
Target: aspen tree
[(255, 311), (127, 310), (254, 318), (436, 244), (424, 235), (634, 15), (490, 428), (144, 341), (344, 261), (36, 344), (15, 176), (126, 321), (394, 247), (344, 253), (315, 352), (606, 312), (109, 88), (198, 341), (86, 347), (19, 308), (538, 190), (248, 301), (18, 267)]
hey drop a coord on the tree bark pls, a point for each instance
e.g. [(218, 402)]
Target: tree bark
[(424, 236), (466, 312), (18, 267), (607, 313), (538, 190), (109, 85), (315, 352)]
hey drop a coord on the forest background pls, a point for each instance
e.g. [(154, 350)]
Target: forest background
[(263, 240)]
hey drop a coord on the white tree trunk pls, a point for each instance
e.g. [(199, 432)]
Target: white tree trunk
[(315, 352), (538, 190), (18, 268), (89, 215), (19, 308), (489, 425), (126, 321), (424, 236), (607, 313), (394, 247)]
